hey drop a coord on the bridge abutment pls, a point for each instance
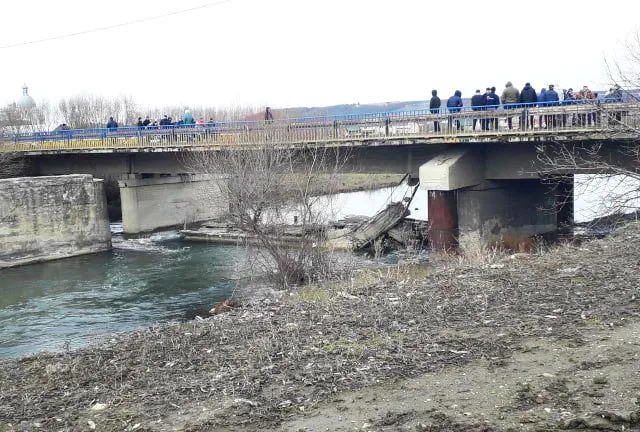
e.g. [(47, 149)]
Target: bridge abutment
[(159, 202)]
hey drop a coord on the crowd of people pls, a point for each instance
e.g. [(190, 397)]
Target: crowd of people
[(186, 120), (513, 98)]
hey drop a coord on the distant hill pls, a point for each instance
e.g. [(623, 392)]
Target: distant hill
[(344, 110), (359, 109)]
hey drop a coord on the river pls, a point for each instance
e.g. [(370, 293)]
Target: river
[(66, 303), (69, 303)]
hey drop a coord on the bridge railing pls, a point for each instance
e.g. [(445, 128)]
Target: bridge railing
[(490, 122)]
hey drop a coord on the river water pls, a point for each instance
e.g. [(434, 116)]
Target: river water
[(68, 303)]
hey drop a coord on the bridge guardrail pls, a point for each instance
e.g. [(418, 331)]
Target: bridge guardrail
[(524, 119)]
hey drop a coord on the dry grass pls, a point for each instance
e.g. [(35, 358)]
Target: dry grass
[(251, 368), (473, 251)]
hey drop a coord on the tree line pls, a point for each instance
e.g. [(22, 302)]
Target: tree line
[(92, 111)]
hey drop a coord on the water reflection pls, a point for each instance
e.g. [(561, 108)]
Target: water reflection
[(599, 195)]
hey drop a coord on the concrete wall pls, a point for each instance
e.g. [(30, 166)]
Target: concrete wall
[(46, 218), (161, 202), (513, 208)]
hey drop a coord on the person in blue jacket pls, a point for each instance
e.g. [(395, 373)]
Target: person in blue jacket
[(552, 96), (188, 118), (492, 103), (112, 124), (542, 97), (454, 104)]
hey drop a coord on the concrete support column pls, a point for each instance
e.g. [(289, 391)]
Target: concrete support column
[(443, 220), (161, 202)]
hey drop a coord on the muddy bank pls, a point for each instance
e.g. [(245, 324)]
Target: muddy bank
[(554, 337)]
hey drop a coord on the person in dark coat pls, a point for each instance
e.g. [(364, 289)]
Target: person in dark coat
[(568, 98), (485, 121), (454, 104), (615, 95), (112, 124), (493, 101), (434, 108), (528, 95), (477, 102), (140, 125), (528, 98), (268, 115), (146, 122)]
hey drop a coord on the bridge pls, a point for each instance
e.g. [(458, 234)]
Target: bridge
[(530, 122), (478, 166)]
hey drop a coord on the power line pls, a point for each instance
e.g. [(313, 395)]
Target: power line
[(99, 29)]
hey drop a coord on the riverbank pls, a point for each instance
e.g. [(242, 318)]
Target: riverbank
[(527, 342)]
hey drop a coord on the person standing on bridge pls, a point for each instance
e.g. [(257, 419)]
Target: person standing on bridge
[(542, 102), (552, 99), (528, 98), (112, 124), (188, 118), (615, 95), (585, 96), (454, 104), (569, 98), (485, 121), (434, 108), (268, 115), (492, 103), (510, 99), (477, 102)]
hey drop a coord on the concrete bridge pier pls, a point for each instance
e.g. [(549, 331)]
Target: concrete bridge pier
[(461, 202), (165, 201)]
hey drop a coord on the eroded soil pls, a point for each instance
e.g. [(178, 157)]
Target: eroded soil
[(542, 342)]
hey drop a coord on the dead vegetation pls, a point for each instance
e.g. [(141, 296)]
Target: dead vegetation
[(270, 188), (287, 354)]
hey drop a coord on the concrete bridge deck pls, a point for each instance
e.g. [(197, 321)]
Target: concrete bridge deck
[(575, 122)]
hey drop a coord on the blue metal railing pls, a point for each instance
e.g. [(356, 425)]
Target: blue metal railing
[(242, 125), (299, 129)]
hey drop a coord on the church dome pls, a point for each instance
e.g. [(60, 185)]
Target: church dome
[(26, 101)]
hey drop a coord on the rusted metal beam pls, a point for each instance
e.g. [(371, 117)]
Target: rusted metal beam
[(443, 220)]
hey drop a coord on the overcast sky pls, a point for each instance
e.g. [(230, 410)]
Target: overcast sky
[(306, 52)]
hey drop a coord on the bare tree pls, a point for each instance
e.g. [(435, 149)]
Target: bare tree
[(278, 197), (15, 119), (606, 173)]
